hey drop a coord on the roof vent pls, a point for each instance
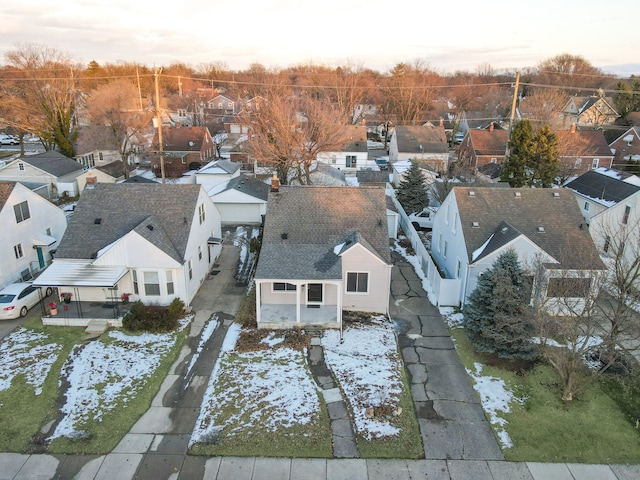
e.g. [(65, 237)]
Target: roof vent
[(150, 227), (540, 229), (472, 193), (504, 229), (97, 221), (475, 224), (556, 194), (284, 236), (517, 194)]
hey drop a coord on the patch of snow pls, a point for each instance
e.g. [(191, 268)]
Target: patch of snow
[(25, 352), (271, 390), (103, 377), (415, 262), (272, 340), (368, 368), (205, 335), (496, 398), (452, 317), (338, 248), (476, 253)]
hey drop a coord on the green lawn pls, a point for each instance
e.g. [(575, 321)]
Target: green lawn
[(591, 429)]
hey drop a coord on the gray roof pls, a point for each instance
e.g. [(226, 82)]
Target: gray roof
[(54, 163), (411, 138), (305, 224), (95, 137), (114, 169), (565, 236), (250, 186), (225, 165), (372, 176), (5, 191), (125, 207), (138, 179), (598, 186)]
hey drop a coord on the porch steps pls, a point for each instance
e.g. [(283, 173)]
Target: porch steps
[(96, 327)]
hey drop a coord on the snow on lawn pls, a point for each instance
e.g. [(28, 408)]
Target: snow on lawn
[(496, 398), (267, 390), (368, 368), (25, 352), (105, 376)]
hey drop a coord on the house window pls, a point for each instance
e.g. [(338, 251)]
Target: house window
[(357, 282), (151, 283), (17, 250), (458, 267), (625, 216), (134, 275), (220, 105), (283, 287), (190, 269), (440, 242), (48, 231), (201, 214), (21, 166), (568, 287), (333, 159), (351, 161), (607, 244), (444, 253), (21, 211), (169, 282), (577, 163), (494, 160), (100, 156), (594, 164), (199, 252), (586, 206)]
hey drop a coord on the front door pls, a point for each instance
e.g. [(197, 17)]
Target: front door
[(40, 257), (314, 293)]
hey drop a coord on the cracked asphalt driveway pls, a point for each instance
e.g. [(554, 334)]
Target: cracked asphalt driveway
[(452, 423)]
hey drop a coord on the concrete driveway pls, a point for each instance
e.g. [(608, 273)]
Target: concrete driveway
[(452, 422)]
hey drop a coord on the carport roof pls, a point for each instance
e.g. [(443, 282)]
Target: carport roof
[(76, 274)]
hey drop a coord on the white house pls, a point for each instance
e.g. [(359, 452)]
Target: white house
[(424, 144), (474, 226), (353, 155), (154, 242), (240, 200), (216, 172), (51, 168), (30, 232), (324, 250)]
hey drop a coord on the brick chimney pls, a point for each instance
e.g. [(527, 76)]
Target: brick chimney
[(573, 128), (90, 180), (491, 127), (275, 183)]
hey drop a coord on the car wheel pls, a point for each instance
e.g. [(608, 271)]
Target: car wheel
[(49, 291), (23, 311)]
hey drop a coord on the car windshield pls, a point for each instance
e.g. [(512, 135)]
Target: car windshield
[(6, 297)]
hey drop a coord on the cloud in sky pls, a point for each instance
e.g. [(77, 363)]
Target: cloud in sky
[(376, 34)]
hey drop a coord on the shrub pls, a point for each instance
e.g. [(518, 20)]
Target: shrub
[(153, 318)]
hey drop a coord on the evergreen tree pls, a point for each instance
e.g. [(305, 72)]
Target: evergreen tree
[(545, 159), (623, 99), (412, 192), (497, 317), (520, 151)]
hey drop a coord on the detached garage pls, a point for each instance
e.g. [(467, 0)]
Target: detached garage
[(241, 200)]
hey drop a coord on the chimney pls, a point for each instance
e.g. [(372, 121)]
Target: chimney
[(90, 181), (441, 122), (573, 128), (275, 183), (491, 127), (364, 122)]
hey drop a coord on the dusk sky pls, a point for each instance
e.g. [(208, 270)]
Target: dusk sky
[(376, 34)]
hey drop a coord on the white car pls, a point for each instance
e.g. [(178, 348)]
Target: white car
[(422, 220), (8, 139), (16, 299)]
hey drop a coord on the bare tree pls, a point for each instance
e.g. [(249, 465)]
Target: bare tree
[(543, 106), (288, 132), (116, 105), (47, 91)]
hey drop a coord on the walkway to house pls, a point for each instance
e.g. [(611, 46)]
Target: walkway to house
[(457, 442)]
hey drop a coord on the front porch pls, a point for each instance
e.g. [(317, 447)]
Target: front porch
[(284, 316), (80, 314)]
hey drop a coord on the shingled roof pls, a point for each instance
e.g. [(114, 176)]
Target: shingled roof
[(109, 211), (489, 142), (603, 188), (5, 191), (432, 139), (550, 218), (181, 139), (53, 163), (304, 226)]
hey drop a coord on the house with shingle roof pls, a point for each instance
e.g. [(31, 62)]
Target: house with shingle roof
[(51, 168), (593, 111), (582, 150), (31, 229), (626, 148), (354, 154), (474, 226), (426, 144), (137, 239), (183, 149), (324, 250), (96, 145), (241, 200), (110, 173), (217, 171), (610, 204), (483, 147)]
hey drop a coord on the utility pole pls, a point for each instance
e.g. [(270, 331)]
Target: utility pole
[(180, 86), (513, 114), (156, 74), (139, 90)]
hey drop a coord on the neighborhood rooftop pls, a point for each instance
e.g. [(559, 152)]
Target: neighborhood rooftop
[(602, 187), (53, 163)]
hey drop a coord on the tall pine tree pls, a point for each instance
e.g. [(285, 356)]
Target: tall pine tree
[(520, 151), (497, 316), (545, 158), (412, 192)]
